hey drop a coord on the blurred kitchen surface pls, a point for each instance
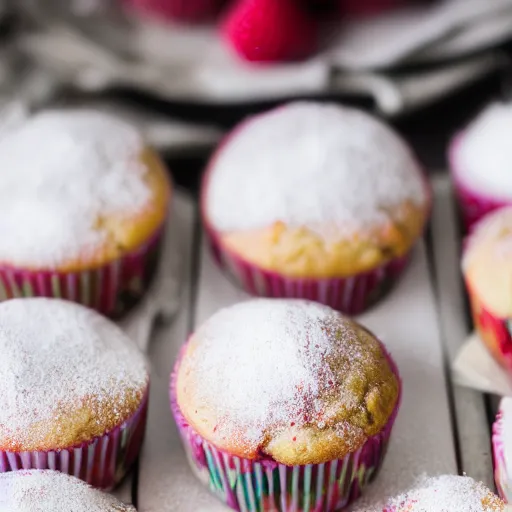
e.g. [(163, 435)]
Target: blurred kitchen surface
[(428, 69)]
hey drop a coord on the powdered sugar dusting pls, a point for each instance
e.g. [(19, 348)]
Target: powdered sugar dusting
[(55, 354), (447, 493), (62, 171), (326, 167), (484, 155), (275, 363), (45, 491)]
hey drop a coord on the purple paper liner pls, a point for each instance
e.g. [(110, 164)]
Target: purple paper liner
[(502, 476), (109, 289), (258, 485), (473, 204), (351, 295), (102, 462)]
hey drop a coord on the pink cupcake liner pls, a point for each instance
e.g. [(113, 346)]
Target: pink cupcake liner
[(102, 462), (255, 485), (473, 205), (109, 289), (351, 295), (502, 476)]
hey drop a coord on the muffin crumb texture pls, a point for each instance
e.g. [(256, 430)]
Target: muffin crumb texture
[(290, 380), (67, 375), (448, 493), (70, 182), (483, 153), (49, 491)]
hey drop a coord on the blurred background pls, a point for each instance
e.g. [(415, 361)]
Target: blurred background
[(185, 71)]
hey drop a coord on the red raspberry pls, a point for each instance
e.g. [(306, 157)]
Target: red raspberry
[(270, 30), (180, 10)]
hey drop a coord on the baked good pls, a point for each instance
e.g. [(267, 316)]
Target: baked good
[(487, 268), (74, 391), (84, 202), (502, 449), (480, 157), (51, 491), (271, 395), (447, 493), (314, 201)]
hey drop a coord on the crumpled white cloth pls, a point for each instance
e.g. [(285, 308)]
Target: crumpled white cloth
[(191, 63)]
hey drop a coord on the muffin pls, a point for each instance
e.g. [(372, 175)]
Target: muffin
[(314, 201), (447, 493), (480, 159), (502, 449), (84, 202), (284, 405), (487, 268), (45, 491), (74, 391)]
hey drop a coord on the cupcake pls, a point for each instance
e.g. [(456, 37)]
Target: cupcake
[(74, 391), (83, 208), (487, 269), (50, 491), (448, 493), (480, 159), (284, 405), (314, 201), (502, 449)]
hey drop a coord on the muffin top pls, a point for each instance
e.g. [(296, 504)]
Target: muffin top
[(288, 379), (447, 493), (67, 375), (483, 153), (315, 175), (76, 185), (45, 491), (487, 262)]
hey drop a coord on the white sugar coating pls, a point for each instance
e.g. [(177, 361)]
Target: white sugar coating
[(447, 493), (330, 168), (506, 411), (56, 354), (483, 158), (265, 362), (61, 172), (49, 491)]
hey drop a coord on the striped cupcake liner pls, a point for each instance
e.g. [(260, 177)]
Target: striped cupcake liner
[(473, 205), (494, 331), (351, 295), (110, 289), (102, 462), (254, 486), (502, 475)]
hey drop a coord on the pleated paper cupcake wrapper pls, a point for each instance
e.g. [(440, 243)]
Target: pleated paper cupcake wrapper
[(110, 289), (494, 331), (502, 475), (473, 205), (255, 486), (351, 295), (101, 463)]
